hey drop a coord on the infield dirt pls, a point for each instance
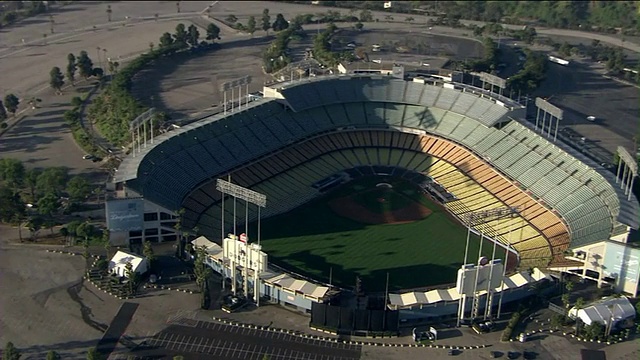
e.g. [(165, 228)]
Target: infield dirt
[(382, 207)]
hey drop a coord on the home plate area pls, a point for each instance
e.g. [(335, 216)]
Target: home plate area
[(208, 340)]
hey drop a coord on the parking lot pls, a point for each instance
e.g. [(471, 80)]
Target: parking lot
[(202, 339)]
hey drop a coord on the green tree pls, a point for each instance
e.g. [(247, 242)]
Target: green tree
[(34, 224), (166, 40), (565, 49), (85, 65), (78, 188), (76, 101), (72, 227), (181, 35), (85, 230), (132, 276), (52, 180), (10, 352), (71, 68), (48, 205), (266, 21), (565, 300), (11, 205), (11, 103), (569, 286), (231, 19), (93, 354), (594, 330), (358, 26), (251, 25), (557, 321), (193, 35), (202, 272), (280, 23), (213, 32), (106, 241), (64, 232), (3, 112), (12, 172), (56, 79), (179, 233), (147, 251), (366, 16), (52, 355)]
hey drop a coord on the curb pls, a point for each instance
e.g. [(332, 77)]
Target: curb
[(346, 342), (162, 287)]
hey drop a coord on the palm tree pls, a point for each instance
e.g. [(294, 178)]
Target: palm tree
[(180, 233)]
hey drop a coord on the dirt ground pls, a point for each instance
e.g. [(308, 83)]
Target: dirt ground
[(189, 85), (347, 207)]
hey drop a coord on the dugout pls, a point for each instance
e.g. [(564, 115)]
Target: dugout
[(351, 321)]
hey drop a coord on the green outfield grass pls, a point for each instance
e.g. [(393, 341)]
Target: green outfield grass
[(312, 240)]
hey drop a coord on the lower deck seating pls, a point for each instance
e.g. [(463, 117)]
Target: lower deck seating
[(286, 177)]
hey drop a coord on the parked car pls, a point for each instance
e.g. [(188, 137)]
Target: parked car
[(88, 157)]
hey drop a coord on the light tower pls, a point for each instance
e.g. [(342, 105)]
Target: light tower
[(237, 248)]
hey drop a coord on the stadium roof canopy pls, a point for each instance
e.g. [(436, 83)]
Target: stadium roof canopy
[(173, 171), (417, 298)]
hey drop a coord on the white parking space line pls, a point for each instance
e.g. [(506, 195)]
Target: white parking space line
[(225, 349), (204, 346), (201, 344)]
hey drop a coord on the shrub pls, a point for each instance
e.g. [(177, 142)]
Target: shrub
[(515, 318)]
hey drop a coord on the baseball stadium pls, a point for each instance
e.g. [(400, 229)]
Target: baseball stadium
[(371, 177)]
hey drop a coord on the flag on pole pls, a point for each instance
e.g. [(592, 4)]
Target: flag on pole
[(243, 238)]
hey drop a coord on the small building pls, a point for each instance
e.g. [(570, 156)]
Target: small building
[(608, 311), (377, 67), (119, 261)]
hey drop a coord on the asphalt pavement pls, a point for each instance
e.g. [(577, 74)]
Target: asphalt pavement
[(210, 340)]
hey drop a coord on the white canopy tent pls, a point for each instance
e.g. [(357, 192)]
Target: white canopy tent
[(211, 247), (119, 262), (604, 311)]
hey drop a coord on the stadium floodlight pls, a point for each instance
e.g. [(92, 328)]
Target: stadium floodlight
[(493, 80), (141, 121), (629, 173), (553, 111), (250, 197), (233, 84), (241, 193)]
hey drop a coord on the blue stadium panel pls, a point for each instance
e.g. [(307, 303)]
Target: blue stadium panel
[(278, 129), (429, 96), (321, 118), (204, 159), (306, 122), (464, 103), (374, 113), (266, 136), (395, 91), (413, 93), (346, 92), (413, 116), (394, 113), (339, 117)]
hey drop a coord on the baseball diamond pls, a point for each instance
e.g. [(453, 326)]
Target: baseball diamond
[(351, 232)]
